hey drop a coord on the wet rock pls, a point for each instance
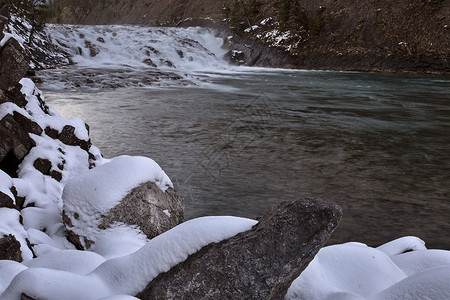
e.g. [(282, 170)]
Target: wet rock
[(68, 137), (93, 50), (149, 62), (257, 264), (10, 248), (167, 63), (235, 57)]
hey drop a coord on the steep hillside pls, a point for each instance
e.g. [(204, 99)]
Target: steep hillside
[(376, 35), (146, 12)]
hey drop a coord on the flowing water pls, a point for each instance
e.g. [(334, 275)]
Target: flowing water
[(235, 141)]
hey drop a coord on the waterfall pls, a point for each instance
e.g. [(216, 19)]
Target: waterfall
[(192, 48), (114, 56)]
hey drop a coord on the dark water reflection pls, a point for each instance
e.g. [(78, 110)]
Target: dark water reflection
[(377, 144)]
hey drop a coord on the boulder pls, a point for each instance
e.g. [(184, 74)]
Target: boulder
[(14, 64), (128, 193), (256, 264), (153, 210), (10, 248), (27, 124), (15, 143)]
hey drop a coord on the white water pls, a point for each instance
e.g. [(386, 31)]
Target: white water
[(124, 56)]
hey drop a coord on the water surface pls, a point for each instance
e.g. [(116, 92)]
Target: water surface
[(377, 144)]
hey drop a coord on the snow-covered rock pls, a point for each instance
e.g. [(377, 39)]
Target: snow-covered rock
[(68, 275), (42, 52), (131, 192), (401, 269), (258, 264), (35, 166)]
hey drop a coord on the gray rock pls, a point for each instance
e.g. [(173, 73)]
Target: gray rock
[(257, 264), (10, 248), (27, 124), (13, 64), (15, 143), (149, 208), (145, 207)]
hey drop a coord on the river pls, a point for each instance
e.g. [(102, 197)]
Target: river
[(235, 141)]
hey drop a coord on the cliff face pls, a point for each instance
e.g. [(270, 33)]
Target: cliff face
[(377, 35)]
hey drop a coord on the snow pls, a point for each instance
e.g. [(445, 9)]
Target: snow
[(5, 182), (265, 21), (5, 39), (102, 188), (74, 261), (14, 33), (9, 269), (254, 27), (95, 192), (418, 261), (398, 246), (432, 283), (10, 224), (356, 271)]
